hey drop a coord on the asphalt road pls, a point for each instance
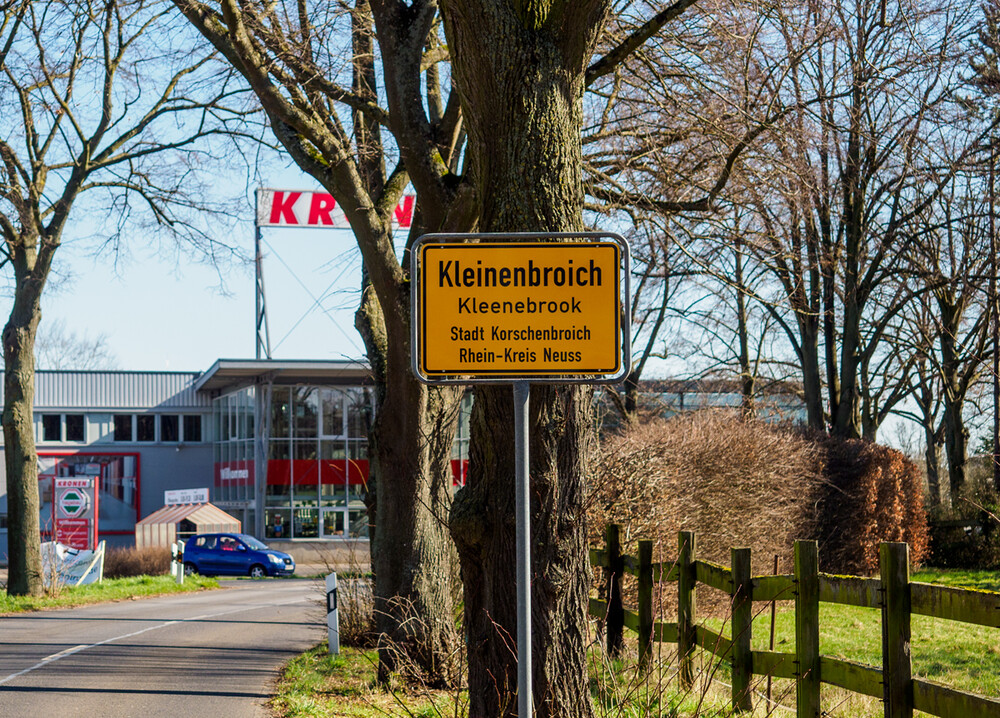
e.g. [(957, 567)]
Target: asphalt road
[(214, 653)]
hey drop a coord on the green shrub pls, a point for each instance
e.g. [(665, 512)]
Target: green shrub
[(967, 533)]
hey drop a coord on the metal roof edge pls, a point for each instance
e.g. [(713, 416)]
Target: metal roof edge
[(270, 366), (117, 371)]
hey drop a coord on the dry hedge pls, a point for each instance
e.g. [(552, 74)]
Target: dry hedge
[(758, 485), (146, 561), (733, 483), (873, 494)]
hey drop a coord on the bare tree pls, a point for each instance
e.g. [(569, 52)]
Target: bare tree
[(986, 66), (319, 71), (529, 65), (838, 186), (951, 261), (668, 133), (107, 109), (57, 347)]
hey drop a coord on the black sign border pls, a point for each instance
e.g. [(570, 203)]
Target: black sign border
[(419, 330)]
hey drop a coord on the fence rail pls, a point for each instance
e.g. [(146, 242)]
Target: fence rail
[(893, 593)]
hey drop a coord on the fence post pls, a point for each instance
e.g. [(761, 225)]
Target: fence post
[(685, 607), (645, 602), (807, 629), (742, 621), (615, 621), (894, 567)]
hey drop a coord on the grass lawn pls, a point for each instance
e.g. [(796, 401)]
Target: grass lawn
[(958, 655), (115, 589), (316, 684)]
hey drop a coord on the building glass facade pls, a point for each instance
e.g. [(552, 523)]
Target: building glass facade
[(304, 448), (281, 445)]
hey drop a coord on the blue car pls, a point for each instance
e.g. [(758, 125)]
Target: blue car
[(234, 555)]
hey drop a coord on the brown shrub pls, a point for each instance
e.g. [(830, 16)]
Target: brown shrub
[(122, 562), (872, 494), (753, 484), (732, 482)]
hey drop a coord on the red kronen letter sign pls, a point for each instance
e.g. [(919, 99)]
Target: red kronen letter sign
[(281, 210), (285, 208)]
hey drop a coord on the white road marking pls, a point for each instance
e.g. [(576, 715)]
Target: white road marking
[(83, 647)]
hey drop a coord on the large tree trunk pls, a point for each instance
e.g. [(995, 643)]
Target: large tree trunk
[(484, 529), (956, 434), (932, 464), (956, 442), (747, 378), (24, 550), (413, 557), (631, 402), (812, 382), (520, 69)]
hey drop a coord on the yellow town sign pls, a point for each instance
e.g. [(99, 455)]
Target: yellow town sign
[(518, 309)]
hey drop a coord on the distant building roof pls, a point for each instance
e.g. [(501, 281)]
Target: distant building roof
[(716, 386), (67, 389), (207, 517)]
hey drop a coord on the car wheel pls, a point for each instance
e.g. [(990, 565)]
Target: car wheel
[(257, 571), (190, 569)]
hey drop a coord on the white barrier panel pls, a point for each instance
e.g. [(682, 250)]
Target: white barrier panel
[(65, 566)]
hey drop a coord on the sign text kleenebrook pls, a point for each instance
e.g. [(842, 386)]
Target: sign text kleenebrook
[(519, 309)]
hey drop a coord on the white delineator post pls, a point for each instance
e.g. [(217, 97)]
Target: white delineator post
[(177, 561), (332, 617)]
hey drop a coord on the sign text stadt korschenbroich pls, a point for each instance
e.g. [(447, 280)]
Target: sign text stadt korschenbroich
[(520, 309)]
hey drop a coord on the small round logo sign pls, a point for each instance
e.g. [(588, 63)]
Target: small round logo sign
[(74, 503)]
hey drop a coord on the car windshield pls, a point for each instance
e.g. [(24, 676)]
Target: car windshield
[(252, 542)]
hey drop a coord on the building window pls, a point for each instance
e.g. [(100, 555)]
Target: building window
[(277, 523), (333, 412), (51, 427), (123, 427), (3, 522), (305, 412), (280, 413), (192, 427), (117, 476), (75, 427), (145, 427), (169, 428), (358, 412), (358, 524)]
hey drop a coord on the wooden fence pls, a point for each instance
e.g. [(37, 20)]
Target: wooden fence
[(893, 593)]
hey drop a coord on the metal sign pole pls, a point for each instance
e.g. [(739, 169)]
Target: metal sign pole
[(263, 339), (461, 282), (522, 391)]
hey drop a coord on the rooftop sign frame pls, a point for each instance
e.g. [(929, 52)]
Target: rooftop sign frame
[(582, 337)]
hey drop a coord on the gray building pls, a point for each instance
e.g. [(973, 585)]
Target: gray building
[(281, 445)]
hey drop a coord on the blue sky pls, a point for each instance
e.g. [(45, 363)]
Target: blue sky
[(162, 312)]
